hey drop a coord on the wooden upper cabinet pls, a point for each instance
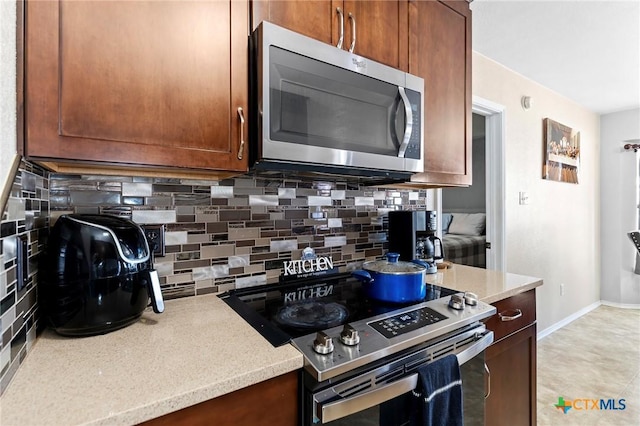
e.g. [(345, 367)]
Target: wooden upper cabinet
[(147, 84), (440, 52), (381, 27)]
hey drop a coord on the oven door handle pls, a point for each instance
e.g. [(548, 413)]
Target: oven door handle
[(475, 349), (345, 407)]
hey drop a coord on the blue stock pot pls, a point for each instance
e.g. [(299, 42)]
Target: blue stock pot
[(392, 280)]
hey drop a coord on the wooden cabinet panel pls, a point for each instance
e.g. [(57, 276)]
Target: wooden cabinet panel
[(521, 307), (381, 31), (512, 363), (137, 83), (381, 26), (440, 52), (272, 402), (315, 18)]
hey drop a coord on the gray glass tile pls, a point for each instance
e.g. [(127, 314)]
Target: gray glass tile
[(133, 201), (248, 191), (154, 216), (28, 181), (167, 188), (131, 189), (94, 198), (192, 199), (263, 200), (221, 191), (283, 245), (234, 215), (159, 201)]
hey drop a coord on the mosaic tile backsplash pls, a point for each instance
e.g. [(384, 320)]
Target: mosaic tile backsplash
[(237, 233), (26, 218), (219, 235)]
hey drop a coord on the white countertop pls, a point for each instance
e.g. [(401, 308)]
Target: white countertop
[(196, 350), (490, 286)]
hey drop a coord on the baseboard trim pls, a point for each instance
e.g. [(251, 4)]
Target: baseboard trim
[(620, 305), (569, 319)]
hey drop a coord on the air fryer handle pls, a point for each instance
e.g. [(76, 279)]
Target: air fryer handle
[(153, 286)]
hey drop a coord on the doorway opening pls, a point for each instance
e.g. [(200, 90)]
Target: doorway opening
[(490, 186)]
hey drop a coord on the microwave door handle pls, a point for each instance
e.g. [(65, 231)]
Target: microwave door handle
[(408, 125)]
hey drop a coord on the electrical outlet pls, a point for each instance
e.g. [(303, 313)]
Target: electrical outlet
[(22, 260), (561, 289), (155, 238)]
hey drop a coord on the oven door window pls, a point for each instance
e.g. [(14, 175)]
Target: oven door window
[(318, 104)]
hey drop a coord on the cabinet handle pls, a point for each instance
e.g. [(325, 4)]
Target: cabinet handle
[(353, 32), (486, 368), (241, 149), (341, 38), (510, 315)]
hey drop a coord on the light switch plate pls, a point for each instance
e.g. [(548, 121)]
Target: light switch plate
[(523, 198)]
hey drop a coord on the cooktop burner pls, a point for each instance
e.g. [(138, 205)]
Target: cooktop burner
[(312, 315), (282, 312)]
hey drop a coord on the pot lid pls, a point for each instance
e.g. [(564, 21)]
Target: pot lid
[(394, 266)]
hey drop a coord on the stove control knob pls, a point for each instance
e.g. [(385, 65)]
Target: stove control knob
[(470, 299), (456, 302), (323, 343), (349, 335)]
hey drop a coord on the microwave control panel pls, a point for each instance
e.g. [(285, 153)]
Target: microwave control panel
[(415, 142)]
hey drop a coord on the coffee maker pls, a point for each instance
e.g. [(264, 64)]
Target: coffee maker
[(412, 234)]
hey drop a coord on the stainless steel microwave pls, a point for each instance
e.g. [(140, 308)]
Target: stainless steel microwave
[(323, 109)]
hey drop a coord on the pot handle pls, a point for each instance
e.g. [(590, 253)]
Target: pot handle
[(153, 286), (421, 263), (362, 275)]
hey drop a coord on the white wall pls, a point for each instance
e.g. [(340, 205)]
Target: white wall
[(619, 200), (557, 235), (7, 88)]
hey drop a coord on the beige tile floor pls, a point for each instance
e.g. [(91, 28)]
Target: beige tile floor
[(594, 357)]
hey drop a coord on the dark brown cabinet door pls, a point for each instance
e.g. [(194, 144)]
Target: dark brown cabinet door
[(512, 364), (144, 83), (440, 52), (381, 30), (317, 19), (269, 403)]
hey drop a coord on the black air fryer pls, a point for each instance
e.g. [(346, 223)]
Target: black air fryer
[(98, 275)]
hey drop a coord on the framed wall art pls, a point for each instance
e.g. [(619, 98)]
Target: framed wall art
[(561, 152)]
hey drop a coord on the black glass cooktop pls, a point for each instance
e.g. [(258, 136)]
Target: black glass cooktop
[(284, 311)]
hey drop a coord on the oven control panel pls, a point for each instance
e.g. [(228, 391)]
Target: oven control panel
[(406, 322), (338, 350)]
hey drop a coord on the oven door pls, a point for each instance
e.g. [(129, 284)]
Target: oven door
[(381, 396)]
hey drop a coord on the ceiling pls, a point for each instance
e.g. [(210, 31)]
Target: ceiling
[(588, 51)]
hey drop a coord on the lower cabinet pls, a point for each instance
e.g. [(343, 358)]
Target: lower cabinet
[(511, 360), (272, 402)]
